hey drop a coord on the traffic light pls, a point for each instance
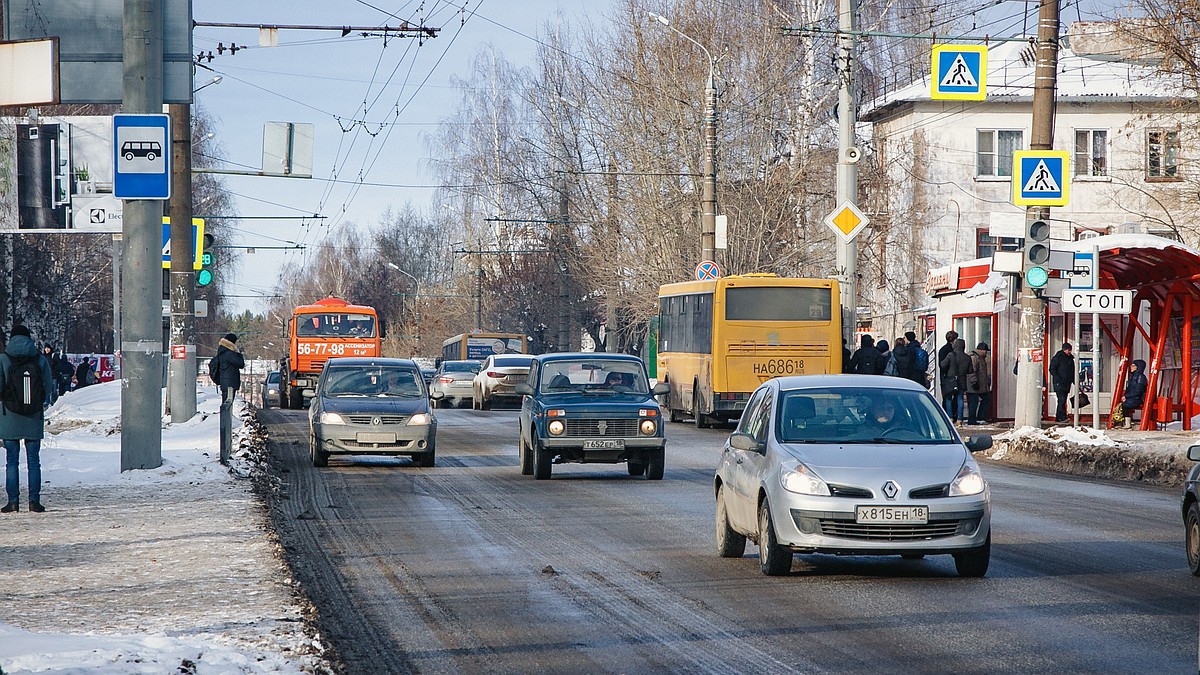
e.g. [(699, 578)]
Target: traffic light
[(205, 276), (1037, 253)]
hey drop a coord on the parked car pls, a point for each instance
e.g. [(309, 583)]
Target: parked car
[(270, 390), (1191, 512), (371, 406), (851, 465), (497, 377), (590, 408), (454, 381)]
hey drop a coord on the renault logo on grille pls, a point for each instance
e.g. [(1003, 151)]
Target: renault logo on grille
[(376, 420), (602, 426), (890, 489)]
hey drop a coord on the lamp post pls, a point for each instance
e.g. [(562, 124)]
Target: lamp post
[(417, 311), (708, 195)]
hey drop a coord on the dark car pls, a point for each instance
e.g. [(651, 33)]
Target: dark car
[(1191, 512), (371, 406), (590, 408), (427, 375)]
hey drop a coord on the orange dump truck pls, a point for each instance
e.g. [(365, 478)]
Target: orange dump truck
[(318, 332)]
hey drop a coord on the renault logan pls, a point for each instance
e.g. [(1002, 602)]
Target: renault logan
[(851, 465)]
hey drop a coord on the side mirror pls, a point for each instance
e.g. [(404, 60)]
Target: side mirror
[(1194, 453), (661, 388), (523, 389), (740, 440), (977, 443), (437, 395)]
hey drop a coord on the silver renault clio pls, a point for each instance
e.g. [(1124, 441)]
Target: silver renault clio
[(851, 465)]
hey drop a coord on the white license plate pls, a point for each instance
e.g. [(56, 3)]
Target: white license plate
[(607, 444), (375, 437), (888, 515)]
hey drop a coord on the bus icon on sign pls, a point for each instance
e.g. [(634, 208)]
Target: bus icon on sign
[(148, 149)]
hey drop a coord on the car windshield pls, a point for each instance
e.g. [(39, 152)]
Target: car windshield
[(593, 376), (859, 415), (335, 325), (513, 361), (273, 377), (373, 381)]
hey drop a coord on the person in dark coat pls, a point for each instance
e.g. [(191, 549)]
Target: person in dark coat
[(885, 355), (903, 357), (1062, 376), (920, 360), (866, 359), (229, 366), (951, 336), (845, 357), (63, 372), (84, 375), (954, 369), (1135, 390), (15, 428)]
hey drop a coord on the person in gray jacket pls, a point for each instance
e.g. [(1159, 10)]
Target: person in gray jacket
[(15, 428)]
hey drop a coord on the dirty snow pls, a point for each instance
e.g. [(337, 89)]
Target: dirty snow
[(169, 570)]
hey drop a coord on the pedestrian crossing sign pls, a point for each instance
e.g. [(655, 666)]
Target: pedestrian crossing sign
[(959, 73), (1040, 177)]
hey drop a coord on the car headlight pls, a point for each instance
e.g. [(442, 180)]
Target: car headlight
[(418, 420), (801, 480), (648, 427), (968, 482), (556, 427), (331, 418)]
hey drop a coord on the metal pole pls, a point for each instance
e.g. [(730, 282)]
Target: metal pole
[(182, 371), (564, 297), (1096, 333), (116, 289), (1078, 373), (847, 171), (141, 343), (708, 219), (1032, 331)]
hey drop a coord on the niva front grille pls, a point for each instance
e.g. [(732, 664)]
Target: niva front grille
[(602, 428)]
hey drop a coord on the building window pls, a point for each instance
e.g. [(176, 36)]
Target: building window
[(994, 152), (1162, 154), (986, 244), (1091, 152)]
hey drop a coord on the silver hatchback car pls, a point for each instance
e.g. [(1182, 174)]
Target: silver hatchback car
[(851, 465)]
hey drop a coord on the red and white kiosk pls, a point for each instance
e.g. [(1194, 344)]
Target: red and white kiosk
[(1162, 329)]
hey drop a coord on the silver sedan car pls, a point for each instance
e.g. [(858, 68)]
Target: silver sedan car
[(453, 380), (851, 465)]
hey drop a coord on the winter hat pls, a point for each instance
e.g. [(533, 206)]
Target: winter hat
[(984, 346), (882, 345), (20, 330), (910, 336), (232, 337), (1066, 346)]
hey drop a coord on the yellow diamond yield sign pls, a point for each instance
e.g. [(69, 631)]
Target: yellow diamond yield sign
[(847, 221)]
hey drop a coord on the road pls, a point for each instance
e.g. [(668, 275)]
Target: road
[(471, 567)]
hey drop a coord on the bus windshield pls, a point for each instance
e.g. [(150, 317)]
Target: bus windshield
[(335, 325), (781, 303)]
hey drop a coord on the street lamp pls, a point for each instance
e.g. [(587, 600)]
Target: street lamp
[(417, 311), (216, 80), (708, 218)]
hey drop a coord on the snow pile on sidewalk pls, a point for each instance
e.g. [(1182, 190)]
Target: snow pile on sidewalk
[(168, 570), (1157, 457)]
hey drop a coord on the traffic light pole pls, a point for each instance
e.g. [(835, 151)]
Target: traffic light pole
[(1031, 338), (181, 374)]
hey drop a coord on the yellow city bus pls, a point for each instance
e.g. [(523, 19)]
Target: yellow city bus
[(718, 340), (479, 346)]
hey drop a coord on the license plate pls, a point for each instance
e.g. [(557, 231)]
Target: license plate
[(885, 515), (607, 444), (375, 437)]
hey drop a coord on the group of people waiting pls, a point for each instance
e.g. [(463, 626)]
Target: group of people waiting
[(968, 375), (904, 358)]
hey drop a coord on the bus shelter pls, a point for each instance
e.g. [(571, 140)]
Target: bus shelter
[(1161, 329)]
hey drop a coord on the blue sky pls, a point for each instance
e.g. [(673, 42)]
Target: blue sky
[(349, 88)]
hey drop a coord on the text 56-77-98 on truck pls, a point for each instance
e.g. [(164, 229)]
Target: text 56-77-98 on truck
[(321, 331)]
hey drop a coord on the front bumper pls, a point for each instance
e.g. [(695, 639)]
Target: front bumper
[(359, 439), (827, 525), (572, 450)]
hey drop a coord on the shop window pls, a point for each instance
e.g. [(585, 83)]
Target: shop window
[(994, 150), (1091, 153), (1162, 155)]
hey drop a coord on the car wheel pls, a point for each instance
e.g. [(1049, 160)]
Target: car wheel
[(636, 468), (656, 461), (774, 560), (319, 457), (541, 462), (1192, 538), (427, 458), (698, 417), (974, 563), (526, 458), (484, 404), (730, 544)]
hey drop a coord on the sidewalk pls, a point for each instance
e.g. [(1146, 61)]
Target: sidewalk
[(170, 570)]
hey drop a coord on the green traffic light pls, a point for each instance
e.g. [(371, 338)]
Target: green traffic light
[(204, 277), (1036, 277)]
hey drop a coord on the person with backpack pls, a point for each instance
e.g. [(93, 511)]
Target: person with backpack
[(25, 383), (920, 360), (84, 375), (866, 359)]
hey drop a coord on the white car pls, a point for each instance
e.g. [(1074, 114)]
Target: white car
[(497, 377)]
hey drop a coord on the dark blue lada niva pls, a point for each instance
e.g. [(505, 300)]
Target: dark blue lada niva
[(591, 408)]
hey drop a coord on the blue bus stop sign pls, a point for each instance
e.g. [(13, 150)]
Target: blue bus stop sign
[(142, 156)]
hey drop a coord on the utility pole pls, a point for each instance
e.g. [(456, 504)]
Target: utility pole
[(564, 269), (847, 170), (1032, 332), (182, 371), (708, 229), (141, 278)]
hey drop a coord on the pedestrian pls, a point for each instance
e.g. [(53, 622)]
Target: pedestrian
[(63, 372), (25, 384), (1135, 391), (1062, 376), (951, 336), (954, 368), (866, 359), (885, 355), (225, 369), (51, 384), (845, 357), (920, 360), (901, 363), (979, 385), (84, 375)]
